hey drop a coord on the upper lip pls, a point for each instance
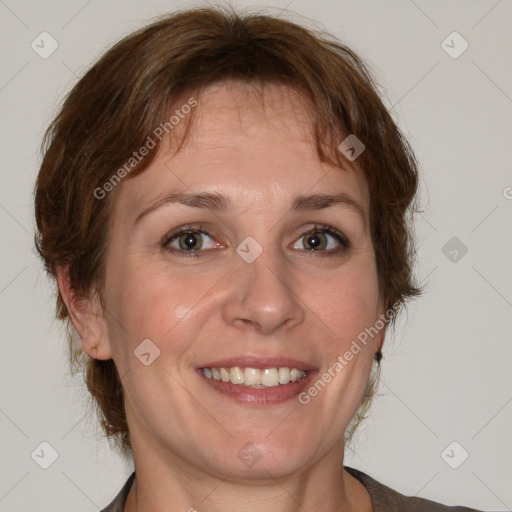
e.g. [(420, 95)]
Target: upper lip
[(259, 362)]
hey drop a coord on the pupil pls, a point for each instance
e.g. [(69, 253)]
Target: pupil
[(314, 241), (190, 241)]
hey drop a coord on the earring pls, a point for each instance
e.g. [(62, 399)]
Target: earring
[(378, 356)]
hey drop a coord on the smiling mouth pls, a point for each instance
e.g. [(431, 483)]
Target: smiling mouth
[(254, 377)]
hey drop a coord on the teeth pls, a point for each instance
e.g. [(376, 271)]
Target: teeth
[(295, 375), (224, 374), (284, 375), (237, 375), (270, 377), (254, 377)]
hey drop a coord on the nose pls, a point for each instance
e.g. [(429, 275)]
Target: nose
[(262, 296)]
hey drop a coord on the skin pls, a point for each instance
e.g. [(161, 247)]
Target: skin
[(290, 302)]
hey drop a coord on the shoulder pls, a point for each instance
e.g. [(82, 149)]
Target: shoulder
[(117, 504), (385, 499)]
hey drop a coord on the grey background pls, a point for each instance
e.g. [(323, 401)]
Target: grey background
[(446, 370)]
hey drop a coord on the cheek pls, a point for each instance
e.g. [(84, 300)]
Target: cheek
[(348, 305), (150, 302), (349, 310), (347, 302)]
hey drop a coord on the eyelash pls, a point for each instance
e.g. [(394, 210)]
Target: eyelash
[(199, 229)]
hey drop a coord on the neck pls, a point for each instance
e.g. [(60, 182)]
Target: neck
[(162, 482)]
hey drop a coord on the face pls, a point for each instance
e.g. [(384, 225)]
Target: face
[(256, 276)]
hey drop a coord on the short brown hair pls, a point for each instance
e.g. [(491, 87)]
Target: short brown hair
[(131, 89)]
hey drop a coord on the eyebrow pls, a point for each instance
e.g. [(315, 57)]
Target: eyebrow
[(218, 203)]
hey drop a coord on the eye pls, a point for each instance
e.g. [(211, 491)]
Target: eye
[(322, 239), (189, 241)]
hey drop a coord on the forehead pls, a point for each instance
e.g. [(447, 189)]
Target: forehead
[(239, 106), (256, 142)]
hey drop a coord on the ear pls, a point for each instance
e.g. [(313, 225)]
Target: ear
[(87, 317)]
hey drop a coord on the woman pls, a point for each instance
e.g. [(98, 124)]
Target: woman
[(223, 203)]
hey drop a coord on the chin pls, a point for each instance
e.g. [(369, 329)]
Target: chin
[(278, 458)]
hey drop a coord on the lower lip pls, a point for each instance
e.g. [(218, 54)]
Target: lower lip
[(252, 396)]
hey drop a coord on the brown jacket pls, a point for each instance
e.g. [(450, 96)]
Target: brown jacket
[(383, 498)]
